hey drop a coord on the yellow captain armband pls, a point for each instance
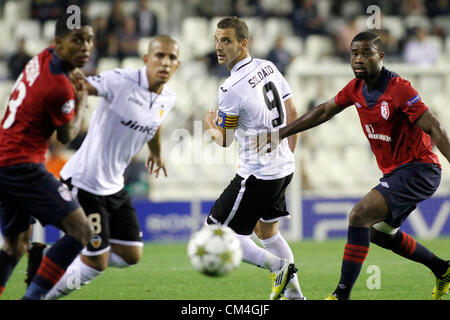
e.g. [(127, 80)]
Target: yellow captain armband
[(226, 121)]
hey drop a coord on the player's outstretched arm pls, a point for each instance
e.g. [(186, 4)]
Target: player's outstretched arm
[(222, 136), (431, 126), (291, 115), (313, 118), (154, 161), (316, 116)]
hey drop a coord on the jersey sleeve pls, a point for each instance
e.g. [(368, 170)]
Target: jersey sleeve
[(106, 83), (409, 101), (344, 97), (60, 104), (229, 108)]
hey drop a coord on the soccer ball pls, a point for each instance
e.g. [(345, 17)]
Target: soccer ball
[(215, 250)]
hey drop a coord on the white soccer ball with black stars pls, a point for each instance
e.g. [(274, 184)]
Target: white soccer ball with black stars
[(215, 250)]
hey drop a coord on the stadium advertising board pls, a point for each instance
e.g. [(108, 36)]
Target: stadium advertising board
[(321, 218)]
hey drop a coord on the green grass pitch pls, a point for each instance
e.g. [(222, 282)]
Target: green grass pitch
[(165, 274)]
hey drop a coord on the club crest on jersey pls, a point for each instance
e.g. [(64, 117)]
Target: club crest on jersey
[(96, 241), (68, 106), (384, 110), (64, 192), (358, 105)]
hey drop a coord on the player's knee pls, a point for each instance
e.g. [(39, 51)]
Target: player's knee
[(360, 215), (133, 257), (265, 230), (99, 262), (356, 217), (126, 255)]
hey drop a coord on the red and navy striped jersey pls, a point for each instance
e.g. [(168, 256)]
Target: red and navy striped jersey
[(41, 100), (387, 114)]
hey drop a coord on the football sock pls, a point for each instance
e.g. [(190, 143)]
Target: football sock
[(278, 246), (53, 266), (77, 275), (117, 261), (356, 249), (403, 244), (255, 255), (7, 265)]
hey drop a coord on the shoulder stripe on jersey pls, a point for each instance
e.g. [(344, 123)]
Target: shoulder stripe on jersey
[(247, 73), (244, 64)]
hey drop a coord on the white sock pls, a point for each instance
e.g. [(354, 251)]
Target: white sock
[(117, 261), (278, 246), (77, 275), (258, 256)]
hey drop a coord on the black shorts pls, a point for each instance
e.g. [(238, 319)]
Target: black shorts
[(406, 186), (245, 201), (28, 190), (113, 220)]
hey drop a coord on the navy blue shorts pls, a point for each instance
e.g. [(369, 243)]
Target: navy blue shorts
[(406, 186), (28, 190), (245, 201)]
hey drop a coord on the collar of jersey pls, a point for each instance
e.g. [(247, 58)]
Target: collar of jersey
[(241, 63), (143, 80), (56, 65)]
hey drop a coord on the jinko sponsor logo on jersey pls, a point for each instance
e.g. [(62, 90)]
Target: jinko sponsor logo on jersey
[(136, 126)]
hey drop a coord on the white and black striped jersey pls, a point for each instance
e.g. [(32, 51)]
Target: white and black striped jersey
[(250, 101)]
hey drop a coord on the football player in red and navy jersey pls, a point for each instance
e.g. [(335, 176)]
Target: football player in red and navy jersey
[(44, 99), (399, 128)]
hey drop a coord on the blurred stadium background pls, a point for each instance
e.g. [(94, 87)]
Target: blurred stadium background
[(309, 42)]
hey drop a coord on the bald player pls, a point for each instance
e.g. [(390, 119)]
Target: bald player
[(132, 107)]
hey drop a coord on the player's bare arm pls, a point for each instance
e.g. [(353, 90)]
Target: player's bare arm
[(70, 130), (320, 114), (431, 126), (154, 161), (222, 136), (313, 118), (291, 115)]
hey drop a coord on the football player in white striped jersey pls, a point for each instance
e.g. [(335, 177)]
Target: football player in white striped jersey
[(132, 106), (255, 97)]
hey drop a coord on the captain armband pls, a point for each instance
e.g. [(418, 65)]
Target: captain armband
[(226, 121)]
